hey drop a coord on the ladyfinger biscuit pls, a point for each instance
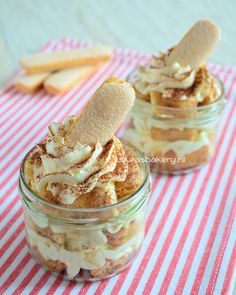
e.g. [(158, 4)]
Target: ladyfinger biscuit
[(174, 134), (30, 83), (103, 114), (196, 45), (62, 81), (53, 61), (173, 107), (195, 158)]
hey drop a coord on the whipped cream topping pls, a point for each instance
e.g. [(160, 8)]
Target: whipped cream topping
[(68, 172), (158, 77)]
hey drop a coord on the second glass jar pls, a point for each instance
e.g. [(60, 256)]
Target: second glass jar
[(176, 141)]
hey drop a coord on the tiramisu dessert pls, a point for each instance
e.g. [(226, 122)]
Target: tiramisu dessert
[(84, 191), (178, 103)]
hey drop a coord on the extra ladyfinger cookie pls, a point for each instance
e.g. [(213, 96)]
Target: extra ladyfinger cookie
[(62, 81), (30, 83), (103, 114), (196, 45), (53, 61)]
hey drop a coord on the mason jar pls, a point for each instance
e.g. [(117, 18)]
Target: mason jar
[(86, 244), (175, 140)]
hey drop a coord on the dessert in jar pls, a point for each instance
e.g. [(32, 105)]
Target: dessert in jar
[(84, 191), (178, 104)]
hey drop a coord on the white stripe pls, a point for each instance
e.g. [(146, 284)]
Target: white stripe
[(22, 115), (14, 243), (9, 199), (9, 102), (33, 281), (20, 277), (219, 235), (16, 206), (226, 260), (12, 267)]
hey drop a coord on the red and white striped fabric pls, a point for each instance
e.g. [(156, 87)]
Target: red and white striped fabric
[(190, 243)]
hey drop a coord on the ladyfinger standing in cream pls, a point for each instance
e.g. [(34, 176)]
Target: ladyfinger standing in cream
[(103, 114), (178, 103), (85, 191)]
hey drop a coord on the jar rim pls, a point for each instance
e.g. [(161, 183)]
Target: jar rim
[(219, 100), (132, 197)]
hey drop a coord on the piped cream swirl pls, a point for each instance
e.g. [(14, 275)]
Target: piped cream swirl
[(68, 172), (158, 77)]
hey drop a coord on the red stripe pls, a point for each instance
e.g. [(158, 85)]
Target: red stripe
[(11, 222), (84, 289), (43, 101), (54, 286), (229, 274), (13, 201), (12, 238), (220, 253), (16, 272), (5, 92), (13, 255), (20, 289), (44, 278), (195, 244), (18, 103), (69, 288), (12, 103), (210, 243)]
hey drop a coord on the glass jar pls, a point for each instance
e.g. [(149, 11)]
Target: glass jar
[(86, 244), (175, 140)]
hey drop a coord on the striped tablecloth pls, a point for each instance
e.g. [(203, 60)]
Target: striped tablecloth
[(190, 243)]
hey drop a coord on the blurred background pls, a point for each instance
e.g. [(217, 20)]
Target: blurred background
[(146, 25)]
